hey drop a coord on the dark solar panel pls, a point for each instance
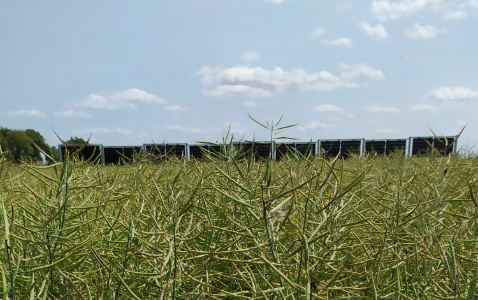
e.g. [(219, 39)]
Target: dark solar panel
[(375, 146), (306, 148), (155, 152), (113, 155), (395, 145), (131, 152), (420, 145), (443, 145), (350, 147), (89, 152), (197, 151), (329, 148), (262, 150), (258, 149), (177, 150), (282, 150)]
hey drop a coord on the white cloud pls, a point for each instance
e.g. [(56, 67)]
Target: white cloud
[(385, 130), (350, 72), (249, 104), (341, 42), (382, 109), (250, 56), (259, 82), (236, 128), (454, 93), (457, 14), (376, 32), (27, 113), (313, 125), (180, 128), (127, 99), (327, 108), (239, 89), (318, 32), (387, 10), (274, 1), (71, 113), (123, 131), (422, 107), (175, 108), (422, 32)]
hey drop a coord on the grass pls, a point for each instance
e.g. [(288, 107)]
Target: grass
[(228, 227)]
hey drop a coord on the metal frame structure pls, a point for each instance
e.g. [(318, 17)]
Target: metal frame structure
[(419, 145), (342, 148), (94, 151), (261, 150), (386, 147), (304, 148), (325, 148), (197, 151), (164, 151), (118, 154)]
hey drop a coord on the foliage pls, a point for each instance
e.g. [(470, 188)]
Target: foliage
[(75, 141), (231, 227), (19, 145)]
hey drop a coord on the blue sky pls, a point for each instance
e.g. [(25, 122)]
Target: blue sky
[(133, 72)]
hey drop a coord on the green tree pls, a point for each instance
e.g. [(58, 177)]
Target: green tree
[(40, 141), (75, 141), (20, 147), (3, 141)]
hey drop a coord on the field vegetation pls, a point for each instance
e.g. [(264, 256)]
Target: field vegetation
[(230, 227)]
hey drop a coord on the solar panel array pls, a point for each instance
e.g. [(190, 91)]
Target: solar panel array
[(413, 146), (421, 145), (289, 148), (88, 152), (120, 154), (385, 147), (341, 148)]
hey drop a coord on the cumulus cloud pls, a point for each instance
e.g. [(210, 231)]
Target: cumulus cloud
[(175, 108), (377, 32), (341, 42), (327, 108), (422, 32), (382, 109), (457, 14), (249, 104), (250, 56), (318, 32), (27, 113), (422, 107), (71, 113), (313, 125), (128, 99), (350, 72), (387, 10), (259, 82), (454, 93), (385, 130), (182, 129), (236, 128)]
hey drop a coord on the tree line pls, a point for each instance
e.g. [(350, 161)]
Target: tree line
[(19, 145)]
